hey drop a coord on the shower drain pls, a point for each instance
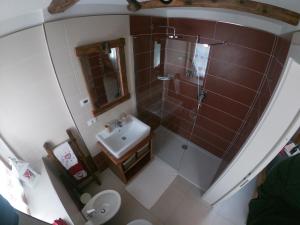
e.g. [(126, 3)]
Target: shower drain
[(184, 147)]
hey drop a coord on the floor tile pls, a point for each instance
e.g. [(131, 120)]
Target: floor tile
[(167, 203), (109, 181), (189, 212), (131, 210), (198, 167), (167, 146), (182, 185), (194, 164), (152, 181)]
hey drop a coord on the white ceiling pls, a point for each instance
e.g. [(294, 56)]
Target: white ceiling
[(14, 8), (15, 13)]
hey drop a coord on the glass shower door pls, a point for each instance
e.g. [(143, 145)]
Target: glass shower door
[(185, 64), (181, 72)]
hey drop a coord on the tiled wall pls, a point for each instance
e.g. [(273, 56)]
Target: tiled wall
[(263, 96), (237, 74), (149, 90)]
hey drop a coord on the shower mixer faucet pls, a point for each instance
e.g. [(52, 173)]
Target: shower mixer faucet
[(201, 96), (172, 36)]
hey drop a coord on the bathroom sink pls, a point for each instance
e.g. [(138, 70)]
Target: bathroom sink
[(102, 207), (122, 139)]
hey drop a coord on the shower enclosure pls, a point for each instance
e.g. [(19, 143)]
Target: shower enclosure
[(201, 89), (173, 102)]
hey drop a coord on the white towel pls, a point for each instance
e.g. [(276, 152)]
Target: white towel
[(65, 155)]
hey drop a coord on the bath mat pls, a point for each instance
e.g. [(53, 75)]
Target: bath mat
[(151, 182)]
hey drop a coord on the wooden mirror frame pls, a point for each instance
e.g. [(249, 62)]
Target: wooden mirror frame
[(99, 47)]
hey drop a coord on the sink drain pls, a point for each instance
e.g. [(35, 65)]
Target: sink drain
[(124, 138), (102, 211)]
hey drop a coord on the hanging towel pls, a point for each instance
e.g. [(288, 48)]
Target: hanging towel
[(65, 155), (68, 159), (77, 171)]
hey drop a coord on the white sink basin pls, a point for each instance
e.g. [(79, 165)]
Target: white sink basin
[(104, 205), (122, 139)]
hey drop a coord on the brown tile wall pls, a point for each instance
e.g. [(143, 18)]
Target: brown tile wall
[(149, 91), (266, 90), (245, 69)]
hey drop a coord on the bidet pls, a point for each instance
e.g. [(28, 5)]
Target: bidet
[(102, 207)]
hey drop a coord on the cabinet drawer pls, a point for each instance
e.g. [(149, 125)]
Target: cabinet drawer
[(141, 152), (129, 162)]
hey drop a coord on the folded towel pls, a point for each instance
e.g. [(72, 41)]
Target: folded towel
[(65, 155), (77, 171)]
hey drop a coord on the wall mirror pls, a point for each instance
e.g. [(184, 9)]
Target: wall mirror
[(104, 69), (158, 49)]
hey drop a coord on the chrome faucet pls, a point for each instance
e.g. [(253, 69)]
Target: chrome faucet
[(114, 124), (90, 212), (119, 123)]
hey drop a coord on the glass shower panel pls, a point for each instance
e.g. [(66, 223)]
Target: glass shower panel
[(184, 68), (170, 90)]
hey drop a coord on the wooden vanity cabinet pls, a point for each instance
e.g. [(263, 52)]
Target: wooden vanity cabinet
[(132, 162)]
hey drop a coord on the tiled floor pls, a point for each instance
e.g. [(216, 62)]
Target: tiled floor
[(130, 209), (179, 205), (151, 182), (195, 164)]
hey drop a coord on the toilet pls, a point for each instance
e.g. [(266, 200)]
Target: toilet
[(139, 222)]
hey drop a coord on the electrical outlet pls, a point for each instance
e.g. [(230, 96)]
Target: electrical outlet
[(83, 102), (90, 122)]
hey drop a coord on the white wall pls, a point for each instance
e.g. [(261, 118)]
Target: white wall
[(236, 208), (63, 37), (43, 201), (64, 196), (32, 106)]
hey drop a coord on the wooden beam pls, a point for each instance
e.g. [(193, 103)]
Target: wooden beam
[(59, 6), (248, 6)]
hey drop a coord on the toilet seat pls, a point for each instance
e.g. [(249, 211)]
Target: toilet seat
[(139, 222)]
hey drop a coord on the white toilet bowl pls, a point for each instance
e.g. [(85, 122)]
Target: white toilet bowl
[(139, 222)]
